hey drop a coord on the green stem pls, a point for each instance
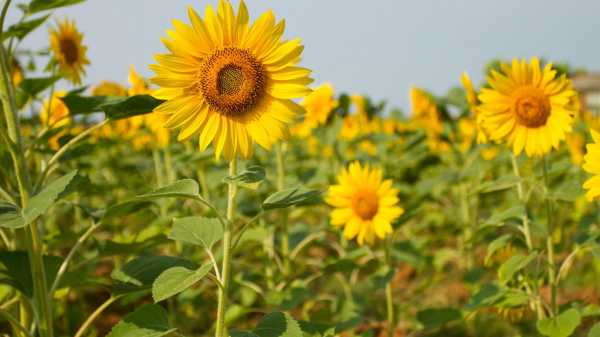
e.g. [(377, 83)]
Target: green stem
[(33, 241), (549, 244), (169, 171), (17, 327), (85, 326), (203, 184), (285, 239), (389, 299), (226, 268), (521, 194)]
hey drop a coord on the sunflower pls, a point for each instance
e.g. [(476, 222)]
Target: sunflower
[(137, 84), (69, 51), (364, 205), (54, 113), (473, 101), (528, 107), (230, 82), (591, 164), (576, 145), (16, 72), (425, 115), (319, 104)]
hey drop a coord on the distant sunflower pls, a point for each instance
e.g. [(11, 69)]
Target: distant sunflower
[(230, 82), (364, 205), (67, 46), (591, 164), (109, 88), (54, 112), (319, 104), (473, 101), (528, 107), (16, 72)]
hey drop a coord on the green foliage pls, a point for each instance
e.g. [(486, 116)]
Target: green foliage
[(150, 320), (514, 264), (14, 270), (562, 325), (140, 273), (291, 197), (275, 324), (175, 280), (435, 317), (197, 230), (22, 29)]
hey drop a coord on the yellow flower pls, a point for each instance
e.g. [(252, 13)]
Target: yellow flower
[(425, 115), (528, 107), (576, 142), (69, 51), (489, 152), (471, 94), (467, 130), (350, 127), (368, 147), (389, 126), (364, 205), (230, 82), (16, 72), (319, 104), (54, 112), (109, 88), (591, 164)]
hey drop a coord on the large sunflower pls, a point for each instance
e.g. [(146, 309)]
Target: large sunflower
[(230, 82), (528, 107), (364, 205), (68, 49), (591, 164)]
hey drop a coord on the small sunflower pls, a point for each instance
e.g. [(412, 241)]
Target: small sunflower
[(319, 104), (473, 101), (425, 115), (365, 205), (230, 82), (109, 88), (16, 72), (138, 85), (67, 46), (528, 107), (591, 164), (54, 113)]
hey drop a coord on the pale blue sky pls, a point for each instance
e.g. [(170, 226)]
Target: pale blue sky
[(377, 47)]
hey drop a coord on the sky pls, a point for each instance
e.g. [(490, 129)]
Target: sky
[(378, 48)]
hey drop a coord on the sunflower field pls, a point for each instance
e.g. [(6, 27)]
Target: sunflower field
[(229, 195)]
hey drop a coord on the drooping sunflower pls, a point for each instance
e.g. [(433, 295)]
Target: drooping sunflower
[(230, 82), (528, 107), (365, 204), (66, 43), (591, 164), (54, 113)]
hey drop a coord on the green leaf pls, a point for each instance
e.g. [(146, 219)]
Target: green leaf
[(35, 85), (562, 325), (487, 296), (22, 29), (14, 270), (291, 197), (516, 262), (278, 324), (140, 273), (435, 317), (594, 331), (495, 245), (40, 203), (85, 104), (185, 188), (197, 230), (44, 5), (130, 106), (10, 216), (252, 174), (569, 192), (498, 218), (175, 280), (150, 320), (502, 183)]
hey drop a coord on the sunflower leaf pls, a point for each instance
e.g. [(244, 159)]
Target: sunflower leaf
[(151, 320), (130, 106), (290, 197), (44, 5), (22, 29)]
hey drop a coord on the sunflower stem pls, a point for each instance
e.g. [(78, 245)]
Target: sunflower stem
[(552, 280), (521, 194), (389, 299), (221, 330), (285, 240), (43, 310)]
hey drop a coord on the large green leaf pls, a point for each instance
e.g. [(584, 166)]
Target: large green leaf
[(15, 271), (139, 274), (185, 188), (35, 85), (150, 320), (435, 317), (175, 280), (275, 324), (488, 295), (499, 218), (252, 174), (515, 263), (22, 29), (197, 230), (38, 204), (44, 5), (291, 197), (79, 105), (594, 331), (130, 106), (562, 325), (495, 245)]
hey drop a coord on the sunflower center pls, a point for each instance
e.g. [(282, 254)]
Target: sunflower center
[(69, 50), (232, 81), (532, 107), (365, 204)]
